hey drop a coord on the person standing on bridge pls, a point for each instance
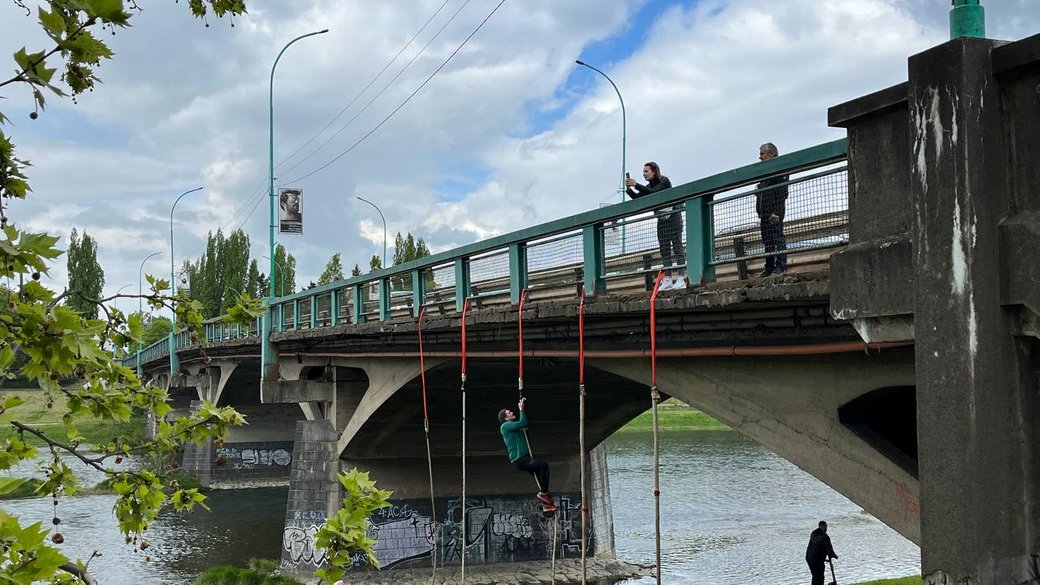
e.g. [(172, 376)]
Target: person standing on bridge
[(770, 205), (818, 552), (669, 224), (513, 429)]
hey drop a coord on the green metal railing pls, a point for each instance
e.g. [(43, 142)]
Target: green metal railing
[(580, 250)]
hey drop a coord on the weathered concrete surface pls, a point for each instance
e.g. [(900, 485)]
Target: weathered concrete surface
[(789, 404), (528, 573), (314, 495)]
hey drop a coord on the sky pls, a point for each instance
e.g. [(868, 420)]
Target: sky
[(508, 134)]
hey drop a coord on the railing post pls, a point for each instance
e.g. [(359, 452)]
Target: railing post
[(418, 291), (699, 240), (517, 270), (359, 304), (334, 307), (384, 298), (281, 318), (592, 248), (461, 282), (296, 314), (314, 311)]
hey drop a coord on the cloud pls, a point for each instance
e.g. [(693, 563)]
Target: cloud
[(508, 135)]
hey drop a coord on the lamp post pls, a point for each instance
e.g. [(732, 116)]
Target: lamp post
[(281, 276), (265, 351), (174, 364), (624, 138), (384, 227), (270, 103), (967, 19), (140, 270)]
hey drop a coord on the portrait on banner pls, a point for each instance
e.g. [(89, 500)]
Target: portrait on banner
[(290, 211)]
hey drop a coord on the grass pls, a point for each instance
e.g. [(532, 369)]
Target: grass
[(673, 415), (910, 580), (34, 412), (260, 572)]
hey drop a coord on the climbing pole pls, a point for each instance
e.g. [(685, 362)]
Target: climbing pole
[(655, 399), (581, 436), (429, 453), (462, 532)]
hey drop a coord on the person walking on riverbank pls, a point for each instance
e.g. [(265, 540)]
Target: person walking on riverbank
[(819, 552), (512, 429)]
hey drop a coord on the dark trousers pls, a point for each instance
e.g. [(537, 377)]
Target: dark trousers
[(536, 467), (773, 240), (817, 570), (669, 237)]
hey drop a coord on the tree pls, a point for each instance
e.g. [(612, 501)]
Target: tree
[(86, 278), (159, 328), (285, 272), (59, 342), (221, 273), (407, 249), (375, 264), (333, 270), (253, 284), (356, 271)]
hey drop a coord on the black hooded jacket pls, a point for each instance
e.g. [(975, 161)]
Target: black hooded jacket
[(819, 547)]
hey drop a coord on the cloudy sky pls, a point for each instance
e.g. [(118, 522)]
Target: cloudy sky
[(509, 134)]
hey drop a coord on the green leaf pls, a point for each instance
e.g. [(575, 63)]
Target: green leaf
[(9, 484), (52, 22)]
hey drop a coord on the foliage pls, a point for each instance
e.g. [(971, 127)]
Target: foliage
[(375, 264), (254, 286), (43, 409), (62, 338), (675, 416), (346, 533), (285, 272), (228, 575), (159, 328), (333, 270), (407, 249), (356, 271), (86, 278), (221, 274)]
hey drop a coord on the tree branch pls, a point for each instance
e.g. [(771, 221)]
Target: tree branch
[(20, 76), (81, 574)]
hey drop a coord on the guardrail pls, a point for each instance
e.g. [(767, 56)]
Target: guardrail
[(600, 249)]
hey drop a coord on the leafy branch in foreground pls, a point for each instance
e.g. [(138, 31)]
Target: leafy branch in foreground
[(345, 535)]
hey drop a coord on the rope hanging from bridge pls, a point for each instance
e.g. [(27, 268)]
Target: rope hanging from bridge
[(520, 386), (655, 399), (462, 532), (429, 453), (581, 436)]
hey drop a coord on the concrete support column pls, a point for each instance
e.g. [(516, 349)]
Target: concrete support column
[(198, 460), (314, 495), (601, 514), (976, 382)]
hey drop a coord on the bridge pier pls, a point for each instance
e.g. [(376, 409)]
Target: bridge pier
[(960, 147)]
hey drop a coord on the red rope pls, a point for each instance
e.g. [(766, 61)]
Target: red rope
[(581, 338), (520, 326), (653, 328), (465, 307), (422, 370)]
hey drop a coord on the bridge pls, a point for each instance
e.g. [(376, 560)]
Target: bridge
[(896, 360)]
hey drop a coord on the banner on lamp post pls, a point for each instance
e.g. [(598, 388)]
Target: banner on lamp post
[(290, 210)]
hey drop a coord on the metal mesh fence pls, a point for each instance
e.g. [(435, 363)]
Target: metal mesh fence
[(325, 309), (305, 312), (439, 284), (645, 242), (555, 262), (782, 215), (346, 304), (489, 274), (288, 310), (370, 302), (401, 293)]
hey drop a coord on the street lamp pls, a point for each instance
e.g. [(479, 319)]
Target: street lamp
[(271, 148), (281, 276), (139, 307), (384, 227), (174, 364), (624, 122)]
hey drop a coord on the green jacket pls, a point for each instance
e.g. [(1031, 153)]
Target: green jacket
[(513, 435)]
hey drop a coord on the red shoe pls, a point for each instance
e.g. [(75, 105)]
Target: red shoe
[(549, 508), (546, 498)]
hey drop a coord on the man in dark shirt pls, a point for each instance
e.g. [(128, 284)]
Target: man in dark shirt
[(770, 205), (818, 552), (512, 429)]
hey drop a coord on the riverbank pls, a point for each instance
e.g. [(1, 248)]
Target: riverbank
[(911, 580), (674, 415), (568, 571), (37, 410)]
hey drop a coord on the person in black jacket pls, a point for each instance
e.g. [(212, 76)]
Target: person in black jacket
[(669, 224), (770, 206), (817, 553)]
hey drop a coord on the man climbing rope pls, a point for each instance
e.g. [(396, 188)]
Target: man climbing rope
[(513, 433)]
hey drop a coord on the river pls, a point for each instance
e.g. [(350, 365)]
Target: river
[(732, 513)]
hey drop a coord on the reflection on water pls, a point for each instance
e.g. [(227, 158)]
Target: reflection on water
[(733, 512)]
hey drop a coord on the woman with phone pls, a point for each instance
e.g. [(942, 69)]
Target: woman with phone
[(669, 224)]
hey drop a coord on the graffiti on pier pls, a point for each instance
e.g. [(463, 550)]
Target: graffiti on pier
[(249, 457), (298, 541)]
